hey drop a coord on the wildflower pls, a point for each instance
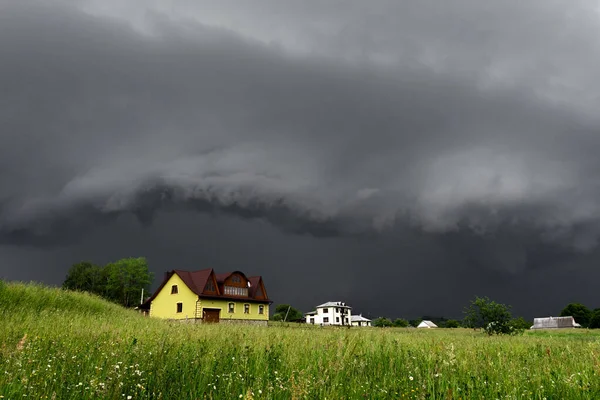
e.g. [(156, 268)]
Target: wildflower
[(241, 396), (411, 378), (128, 397)]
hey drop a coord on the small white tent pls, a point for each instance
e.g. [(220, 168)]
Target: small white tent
[(427, 324)]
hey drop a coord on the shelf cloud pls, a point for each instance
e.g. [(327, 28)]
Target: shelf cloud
[(457, 122)]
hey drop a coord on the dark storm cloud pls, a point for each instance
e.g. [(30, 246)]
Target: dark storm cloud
[(424, 138)]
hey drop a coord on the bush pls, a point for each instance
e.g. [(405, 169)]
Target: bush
[(595, 319), (400, 323), (382, 322), (415, 322), (452, 323), (520, 323)]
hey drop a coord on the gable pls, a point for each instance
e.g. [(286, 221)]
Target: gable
[(236, 279), (211, 287), (167, 292), (180, 285), (259, 293), (257, 288)]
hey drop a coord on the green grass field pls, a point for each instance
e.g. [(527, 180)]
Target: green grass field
[(61, 345)]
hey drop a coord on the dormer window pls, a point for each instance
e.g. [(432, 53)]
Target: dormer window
[(236, 279), (174, 289)]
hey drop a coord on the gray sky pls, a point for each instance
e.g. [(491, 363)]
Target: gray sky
[(400, 156)]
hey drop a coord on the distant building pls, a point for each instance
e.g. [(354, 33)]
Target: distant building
[(205, 296), (359, 320), (427, 324), (330, 313), (554, 323)]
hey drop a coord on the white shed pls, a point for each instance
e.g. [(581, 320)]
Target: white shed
[(554, 323)]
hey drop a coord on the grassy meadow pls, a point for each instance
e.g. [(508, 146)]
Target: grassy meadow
[(62, 345)]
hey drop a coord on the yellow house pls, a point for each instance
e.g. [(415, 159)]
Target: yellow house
[(203, 296)]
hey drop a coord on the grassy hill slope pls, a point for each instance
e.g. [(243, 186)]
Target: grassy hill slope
[(65, 345)]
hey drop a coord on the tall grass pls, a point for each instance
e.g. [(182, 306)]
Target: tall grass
[(64, 345)]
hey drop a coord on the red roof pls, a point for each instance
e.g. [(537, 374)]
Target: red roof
[(195, 280), (254, 281), (221, 277)]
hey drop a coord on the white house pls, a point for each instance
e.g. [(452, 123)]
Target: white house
[(554, 323), (359, 320), (330, 313), (427, 324)]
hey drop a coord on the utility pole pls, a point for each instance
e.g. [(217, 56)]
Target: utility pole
[(142, 297), (286, 313)]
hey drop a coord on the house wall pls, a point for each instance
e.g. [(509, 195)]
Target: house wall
[(164, 304), (239, 314)]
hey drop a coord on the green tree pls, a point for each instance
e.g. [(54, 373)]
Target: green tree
[(415, 322), (581, 313), (381, 322), (125, 280), (494, 318), (285, 309), (400, 323), (85, 276), (452, 323), (520, 323), (595, 319)]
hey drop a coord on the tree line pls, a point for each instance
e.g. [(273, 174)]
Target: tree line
[(496, 318), (584, 316), (121, 281), (482, 313)]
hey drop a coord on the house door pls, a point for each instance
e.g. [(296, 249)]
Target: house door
[(211, 314)]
